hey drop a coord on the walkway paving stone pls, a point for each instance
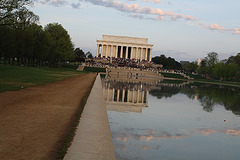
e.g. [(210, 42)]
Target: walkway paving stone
[(93, 138)]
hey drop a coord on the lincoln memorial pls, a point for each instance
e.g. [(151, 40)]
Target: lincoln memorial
[(124, 47)]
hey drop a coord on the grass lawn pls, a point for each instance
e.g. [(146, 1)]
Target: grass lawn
[(229, 83), (17, 77), (172, 75), (173, 81), (200, 79), (94, 69)]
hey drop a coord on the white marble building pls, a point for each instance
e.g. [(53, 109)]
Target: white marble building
[(124, 47)]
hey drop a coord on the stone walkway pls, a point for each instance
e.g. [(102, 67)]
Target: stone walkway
[(93, 137)]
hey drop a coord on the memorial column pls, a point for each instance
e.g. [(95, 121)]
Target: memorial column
[(113, 94), (116, 53), (121, 55), (123, 95), (131, 53), (108, 94), (126, 52), (97, 50), (141, 50), (146, 54), (118, 93), (133, 96), (147, 97), (143, 92), (150, 58), (138, 96), (138, 52), (106, 51), (111, 54), (102, 50), (135, 53)]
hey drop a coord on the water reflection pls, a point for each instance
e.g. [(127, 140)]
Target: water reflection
[(125, 96), (180, 120), (149, 140), (208, 95), (207, 132), (145, 135)]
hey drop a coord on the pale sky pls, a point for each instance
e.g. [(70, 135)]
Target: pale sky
[(182, 29)]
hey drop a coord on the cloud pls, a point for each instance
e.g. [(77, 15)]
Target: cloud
[(146, 135), (217, 27), (55, 3), (136, 16), (236, 30), (207, 132), (158, 14), (76, 5), (145, 12), (157, 1)]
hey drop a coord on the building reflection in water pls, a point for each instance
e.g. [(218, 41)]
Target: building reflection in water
[(126, 95), (174, 124)]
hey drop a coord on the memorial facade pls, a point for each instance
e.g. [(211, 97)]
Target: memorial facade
[(124, 47)]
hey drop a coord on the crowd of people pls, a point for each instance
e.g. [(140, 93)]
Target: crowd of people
[(118, 62), (128, 63)]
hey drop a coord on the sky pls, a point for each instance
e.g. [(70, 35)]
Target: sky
[(181, 29)]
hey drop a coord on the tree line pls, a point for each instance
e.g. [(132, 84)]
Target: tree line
[(167, 62), (210, 67), (24, 42)]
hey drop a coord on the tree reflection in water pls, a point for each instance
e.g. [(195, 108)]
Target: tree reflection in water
[(208, 95)]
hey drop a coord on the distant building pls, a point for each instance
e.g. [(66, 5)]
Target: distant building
[(199, 60), (124, 47)]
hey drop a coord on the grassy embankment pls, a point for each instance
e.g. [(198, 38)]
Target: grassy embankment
[(16, 77), (94, 69), (173, 75), (200, 79)]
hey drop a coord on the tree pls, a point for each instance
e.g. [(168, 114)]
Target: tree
[(207, 64), (14, 19), (11, 9), (190, 67), (79, 55), (168, 63), (225, 71), (234, 59), (89, 55), (38, 45), (62, 47), (8, 43), (203, 69), (24, 18), (211, 59)]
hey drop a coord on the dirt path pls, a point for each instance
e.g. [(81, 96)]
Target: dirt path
[(35, 121)]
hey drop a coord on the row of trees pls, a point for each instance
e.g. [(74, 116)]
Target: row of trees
[(168, 63), (212, 67), (24, 42), (80, 56)]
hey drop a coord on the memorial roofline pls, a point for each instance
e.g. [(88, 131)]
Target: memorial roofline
[(102, 41), (124, 39)]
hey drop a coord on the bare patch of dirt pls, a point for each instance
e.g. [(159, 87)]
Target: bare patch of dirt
[(34, 121)]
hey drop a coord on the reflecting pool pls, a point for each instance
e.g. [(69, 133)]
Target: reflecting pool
[(172, 120)]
